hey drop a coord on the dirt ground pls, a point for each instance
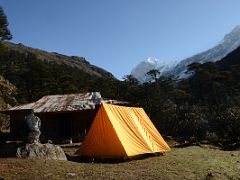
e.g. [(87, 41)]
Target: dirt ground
[(192, 162)]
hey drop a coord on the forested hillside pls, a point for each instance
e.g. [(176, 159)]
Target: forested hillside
[(7, 90), (205, 106), (53, 57), (36, 77)]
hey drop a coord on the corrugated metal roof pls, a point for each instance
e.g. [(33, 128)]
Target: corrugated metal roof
[(63, 103), (66, 102)]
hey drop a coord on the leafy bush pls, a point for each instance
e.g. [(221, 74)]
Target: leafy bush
[(228, 124)]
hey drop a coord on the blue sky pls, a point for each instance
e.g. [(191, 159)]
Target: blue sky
[(117, 34)]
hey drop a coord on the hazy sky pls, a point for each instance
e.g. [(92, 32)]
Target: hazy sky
[(118, 34)]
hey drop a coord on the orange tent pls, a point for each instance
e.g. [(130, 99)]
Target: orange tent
[(119, 131)]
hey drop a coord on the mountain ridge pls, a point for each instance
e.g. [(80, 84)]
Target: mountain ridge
[(74, 61), (230, 42)]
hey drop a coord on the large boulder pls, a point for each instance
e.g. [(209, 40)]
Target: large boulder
[(41, 151)]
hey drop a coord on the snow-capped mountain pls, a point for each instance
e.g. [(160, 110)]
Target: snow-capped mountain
[(229, 43), (143, 67)]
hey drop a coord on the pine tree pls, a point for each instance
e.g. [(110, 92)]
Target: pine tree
[(5, 33)]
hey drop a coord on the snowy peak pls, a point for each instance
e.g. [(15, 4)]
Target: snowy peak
[(152, 60), (231, 39), (232, 35), (230, 42), (145, 66)]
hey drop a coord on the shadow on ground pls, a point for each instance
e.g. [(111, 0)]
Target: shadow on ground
[(81, 159)]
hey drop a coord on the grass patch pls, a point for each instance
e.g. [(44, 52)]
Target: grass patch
[(181, 163)]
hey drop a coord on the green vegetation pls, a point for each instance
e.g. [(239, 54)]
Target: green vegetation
[(205, 106), (7, 89), (35, 78)]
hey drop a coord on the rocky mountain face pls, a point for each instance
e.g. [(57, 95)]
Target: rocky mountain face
[(230, 42), (60, 59)]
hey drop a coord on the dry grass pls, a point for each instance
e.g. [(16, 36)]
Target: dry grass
[(181, 163)]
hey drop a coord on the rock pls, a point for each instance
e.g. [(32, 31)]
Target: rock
[(71, 175), (41, 151), (32, 126)]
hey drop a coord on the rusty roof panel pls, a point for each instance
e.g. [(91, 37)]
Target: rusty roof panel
[(62, 103), (24, 106), (66, 103)]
